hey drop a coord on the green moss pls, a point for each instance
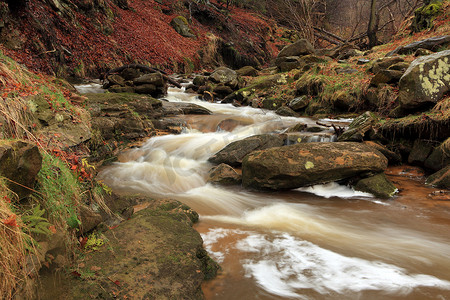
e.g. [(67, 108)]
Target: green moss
[(60, 191), (425, 15)]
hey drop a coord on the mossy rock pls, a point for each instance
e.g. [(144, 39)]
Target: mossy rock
[(181, 25), (154, 255), (378, 185), (425, 15)]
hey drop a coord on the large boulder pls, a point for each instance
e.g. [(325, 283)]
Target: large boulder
[(307, 164), (20, 162), (234, 153), (299, 48), (425, 81)]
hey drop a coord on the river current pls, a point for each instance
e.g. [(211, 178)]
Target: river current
[(320, 242)]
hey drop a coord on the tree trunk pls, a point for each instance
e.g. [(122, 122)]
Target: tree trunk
[(372, 28)]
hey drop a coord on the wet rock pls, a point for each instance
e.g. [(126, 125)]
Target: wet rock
[(429, 44), (379, 186), (234, 153), (425, 81), (231, 124), (359, 127), (20, 162), (307, 164), (180, 108), (115, 113), (299, 103), (224, 174), (247, 71), (286, 112), (181, 25), (440, 179), (299, 48)]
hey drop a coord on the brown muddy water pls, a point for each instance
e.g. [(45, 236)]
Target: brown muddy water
[(321, 242)]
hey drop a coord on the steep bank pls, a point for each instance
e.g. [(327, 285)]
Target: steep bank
[(87, 38)]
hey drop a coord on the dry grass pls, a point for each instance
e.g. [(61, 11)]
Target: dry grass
[(13, 253), (210, 57)]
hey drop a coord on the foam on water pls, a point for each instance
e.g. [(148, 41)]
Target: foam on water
[(285, 266), (89, 88), (333, 189)]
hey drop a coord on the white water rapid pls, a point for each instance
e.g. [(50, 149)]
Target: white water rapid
[(321, 242)]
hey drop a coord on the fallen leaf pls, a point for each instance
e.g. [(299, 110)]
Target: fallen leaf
[(11, 221)]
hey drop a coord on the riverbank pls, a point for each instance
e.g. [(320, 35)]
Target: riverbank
[(57, 212)]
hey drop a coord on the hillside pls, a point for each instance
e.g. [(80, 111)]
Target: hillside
[(87, 38)]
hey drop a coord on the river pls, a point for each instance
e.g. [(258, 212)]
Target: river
[(321, 242)]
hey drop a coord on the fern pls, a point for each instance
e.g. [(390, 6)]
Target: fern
[(35, 222)]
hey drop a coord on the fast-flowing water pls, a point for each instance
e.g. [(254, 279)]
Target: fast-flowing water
[(321, 242)]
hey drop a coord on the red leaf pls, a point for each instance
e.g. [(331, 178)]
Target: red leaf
[(10, 221)]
